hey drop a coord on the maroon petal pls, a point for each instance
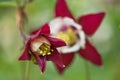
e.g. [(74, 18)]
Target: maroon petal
[(56, 42), (56, 58), (62, 9), (90, 53), (44, 30), (25, 55), (67, 60), (91, 22), (41, 62)]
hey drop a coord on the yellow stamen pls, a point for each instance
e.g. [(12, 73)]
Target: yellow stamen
[(69, 36), (48, 53), (44, 49), (33, 59)]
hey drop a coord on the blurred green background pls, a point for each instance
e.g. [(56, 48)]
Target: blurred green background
[(106, 40)]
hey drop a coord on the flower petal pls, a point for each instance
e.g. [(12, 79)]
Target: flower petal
[(25, 55), (91, 54), (41, 62), (62, 9), (56, 58), (91, 22), (44, 30), (67, 60), (56, 42)]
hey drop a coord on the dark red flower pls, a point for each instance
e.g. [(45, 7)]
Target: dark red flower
[(75, 33), (41, 47)]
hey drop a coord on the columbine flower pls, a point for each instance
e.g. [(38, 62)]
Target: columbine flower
[(41, 47), (75, 33)]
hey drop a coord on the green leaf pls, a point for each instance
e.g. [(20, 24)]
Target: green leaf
[(8, 4)]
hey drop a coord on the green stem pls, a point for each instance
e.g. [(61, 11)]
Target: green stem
[(27, 72), (116, 71), (87, 72)]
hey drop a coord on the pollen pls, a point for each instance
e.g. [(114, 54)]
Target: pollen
[(44, 49), (33, 59), (69, 36)]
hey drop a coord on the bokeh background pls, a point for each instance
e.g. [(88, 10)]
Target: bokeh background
[(106, 40)]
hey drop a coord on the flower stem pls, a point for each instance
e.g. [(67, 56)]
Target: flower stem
[(116, 71), (87, 71), (27, 72), (21, 21)]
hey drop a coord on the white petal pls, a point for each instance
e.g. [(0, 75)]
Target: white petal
[(55, 25), (68, 21), (68, 49), (82, 38), (71, 22), (35, 46)]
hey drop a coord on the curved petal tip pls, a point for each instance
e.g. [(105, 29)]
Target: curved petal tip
[(91, 54), (91, 22)]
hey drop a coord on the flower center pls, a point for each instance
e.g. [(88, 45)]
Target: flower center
[(44, 49), (71, 32), (68, 36), (41, 46)]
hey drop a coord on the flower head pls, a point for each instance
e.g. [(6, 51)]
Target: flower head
[(75, 32), (41, 47)]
